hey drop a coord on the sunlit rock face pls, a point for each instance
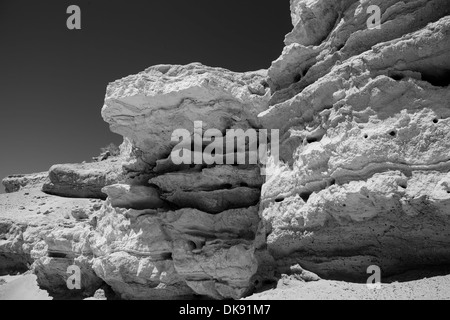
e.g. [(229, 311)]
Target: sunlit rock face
[(147, 107), (175, 230), (364, 120)]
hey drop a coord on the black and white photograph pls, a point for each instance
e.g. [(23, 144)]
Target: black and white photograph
[(225, 156)]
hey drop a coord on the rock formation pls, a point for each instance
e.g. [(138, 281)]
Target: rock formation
[(363, 177), (18, 182), (363, 116)]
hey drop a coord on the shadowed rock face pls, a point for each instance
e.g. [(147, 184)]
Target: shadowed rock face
[(363, 179), (147, 107)]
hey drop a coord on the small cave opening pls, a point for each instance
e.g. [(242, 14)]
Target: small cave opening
[(393, 133), (312, 139), (58, 255), (435, 120), (297, 78), (331, 182), (305, 196), (439, 78), (397, 76), (280, 199)]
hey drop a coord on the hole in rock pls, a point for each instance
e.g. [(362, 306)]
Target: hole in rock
[(243, 184), (191, 245), (166, 256), (339, 47), (435, 120), (392, 133), (312, 139), (438, 78), (279, 199), (305, 196), (297, 78), (227, 186), (59, 255), (332, 182), (397, 76), (366, 136)]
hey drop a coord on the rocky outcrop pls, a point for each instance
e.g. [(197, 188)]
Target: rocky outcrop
[(159, 254), (363, 115), (148, 107), (18, 182), (363, 177), (48, 240), (84, 180)]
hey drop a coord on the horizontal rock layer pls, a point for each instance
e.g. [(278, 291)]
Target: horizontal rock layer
[(83, 180)]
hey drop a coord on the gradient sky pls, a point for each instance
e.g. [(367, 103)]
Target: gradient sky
[(53, 80)]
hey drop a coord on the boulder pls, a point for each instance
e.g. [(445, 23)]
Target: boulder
[(84, 180)]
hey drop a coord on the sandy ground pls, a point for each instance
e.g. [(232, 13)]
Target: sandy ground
[(25, 287), (435, 288), (35, 207)]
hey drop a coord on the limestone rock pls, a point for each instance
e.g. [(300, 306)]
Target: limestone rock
[(83, 180), (363, 177), (209, 179), (146, 108), (364, 140), (148, 254), (18, 182), (133, 197), (215, 201)]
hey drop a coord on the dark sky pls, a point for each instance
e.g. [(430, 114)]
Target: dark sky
[(53, 80)]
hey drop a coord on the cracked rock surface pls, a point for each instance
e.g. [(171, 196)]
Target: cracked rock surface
[(364, 120)]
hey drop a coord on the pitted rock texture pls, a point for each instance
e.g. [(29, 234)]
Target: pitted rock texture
[(364, 125), (146, 108)]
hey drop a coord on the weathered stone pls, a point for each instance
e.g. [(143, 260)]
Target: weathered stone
[(147, 107), (133, 197), (83, 180), (215, 201), (364, 144), (218, 177), (18, 182)]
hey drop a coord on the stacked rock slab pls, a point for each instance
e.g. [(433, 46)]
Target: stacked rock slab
[(364, 120), (190, 229)]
